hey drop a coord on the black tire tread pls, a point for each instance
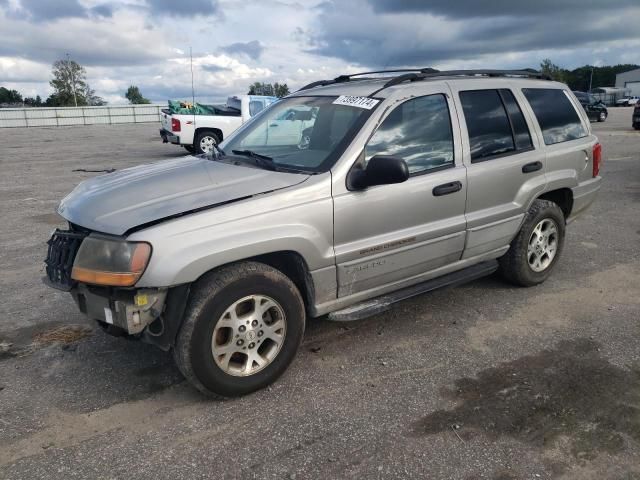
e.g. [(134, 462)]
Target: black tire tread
[(511, 263), (206, 287)]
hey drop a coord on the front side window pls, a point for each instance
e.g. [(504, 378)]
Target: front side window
[(419, 132), (300, 133), (556, 116)]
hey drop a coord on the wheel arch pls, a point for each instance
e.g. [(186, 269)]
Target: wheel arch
[(563, 197), (290, 263), (216, 131)]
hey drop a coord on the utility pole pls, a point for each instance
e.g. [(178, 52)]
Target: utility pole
[(72, 79), (590, 79)]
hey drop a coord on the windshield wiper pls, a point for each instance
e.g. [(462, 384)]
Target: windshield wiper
[(260, 160)]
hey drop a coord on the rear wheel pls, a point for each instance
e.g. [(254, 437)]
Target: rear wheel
[(537, 247), (205, 142), (242, 328)]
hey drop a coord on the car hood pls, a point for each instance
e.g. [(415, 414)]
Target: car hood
[(118, 202)]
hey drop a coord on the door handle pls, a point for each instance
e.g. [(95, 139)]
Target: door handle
[(273, 125), (446, 189), (532, 167)]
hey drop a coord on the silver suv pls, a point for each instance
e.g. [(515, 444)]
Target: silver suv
[(371, 189)]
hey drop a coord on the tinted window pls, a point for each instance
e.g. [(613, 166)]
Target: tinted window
[(487, 123), (520, 130), (418, 131), (556, 116)]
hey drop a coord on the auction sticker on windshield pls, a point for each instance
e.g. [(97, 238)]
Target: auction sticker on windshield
[(360, 102)]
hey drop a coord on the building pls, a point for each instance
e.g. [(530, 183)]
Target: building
[(609, 95), (629, 81)]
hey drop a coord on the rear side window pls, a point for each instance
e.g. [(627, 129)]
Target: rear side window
[(520, 130), (255, 106), (419, 131), (495, 123), (556, 116)]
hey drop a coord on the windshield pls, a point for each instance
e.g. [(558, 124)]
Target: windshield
[(300, 133)]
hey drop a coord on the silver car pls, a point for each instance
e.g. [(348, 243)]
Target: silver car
[(396, 183)]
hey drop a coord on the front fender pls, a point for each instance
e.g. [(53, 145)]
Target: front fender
[(187, 247)]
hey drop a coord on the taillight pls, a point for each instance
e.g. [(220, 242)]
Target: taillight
[(597, 159), (175, 125)]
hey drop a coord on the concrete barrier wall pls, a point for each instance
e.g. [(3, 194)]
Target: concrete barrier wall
[(69, 116)]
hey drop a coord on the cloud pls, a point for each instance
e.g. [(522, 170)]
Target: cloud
[(251, 49), (496, 8), (184, 8), (122, 39), (147, 42), (412, 33)]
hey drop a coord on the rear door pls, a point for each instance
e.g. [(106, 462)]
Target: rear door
[(505, 166), (389, 234)]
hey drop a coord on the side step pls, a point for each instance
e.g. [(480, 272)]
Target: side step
[(384, 302)]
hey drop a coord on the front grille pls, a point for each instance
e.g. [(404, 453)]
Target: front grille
[(63, 247)]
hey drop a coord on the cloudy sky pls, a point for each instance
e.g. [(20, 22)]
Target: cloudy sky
[(237, 42)]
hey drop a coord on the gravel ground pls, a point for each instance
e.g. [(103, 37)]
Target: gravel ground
[(480, 381)]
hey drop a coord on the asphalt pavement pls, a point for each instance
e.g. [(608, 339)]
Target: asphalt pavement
[(483, 381)]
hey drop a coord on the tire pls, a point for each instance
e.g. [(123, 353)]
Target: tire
[(207, 314), (602, 116), (189, 148), (202, 138), (516, 265)]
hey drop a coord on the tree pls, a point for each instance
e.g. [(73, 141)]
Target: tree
[(10, 96), (554, 71), (33, 102), (135, 97), (281, 90), (70, 87), (277, 89)]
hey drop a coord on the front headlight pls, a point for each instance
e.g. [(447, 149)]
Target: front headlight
[(117, 263)]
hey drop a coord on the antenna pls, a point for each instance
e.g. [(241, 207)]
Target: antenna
[(193, 91)]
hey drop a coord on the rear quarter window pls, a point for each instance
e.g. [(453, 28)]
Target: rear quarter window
[(558, 119)]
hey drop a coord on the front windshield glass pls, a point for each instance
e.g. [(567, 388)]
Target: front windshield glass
[(300, 133)]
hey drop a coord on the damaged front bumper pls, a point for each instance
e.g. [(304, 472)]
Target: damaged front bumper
[(129, 310)]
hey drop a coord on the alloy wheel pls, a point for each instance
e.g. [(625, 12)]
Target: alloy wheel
[(249, 335), (543, 245)]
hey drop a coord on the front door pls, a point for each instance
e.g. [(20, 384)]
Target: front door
[(389, 234)]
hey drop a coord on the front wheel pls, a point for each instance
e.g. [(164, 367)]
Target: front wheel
[(242, 329), (602, 117), (537, 247)]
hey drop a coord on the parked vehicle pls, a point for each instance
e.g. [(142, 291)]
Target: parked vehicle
[(596, 110), (635, 117), (397, 186), (199, 127), (627, 101)]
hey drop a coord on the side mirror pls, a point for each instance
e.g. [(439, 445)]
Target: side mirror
[(380, 170)]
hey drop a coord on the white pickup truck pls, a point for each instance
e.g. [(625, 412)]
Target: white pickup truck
[(198, 132)]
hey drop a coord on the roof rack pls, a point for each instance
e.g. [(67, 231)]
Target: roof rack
[(415, 74), (348, 78)]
